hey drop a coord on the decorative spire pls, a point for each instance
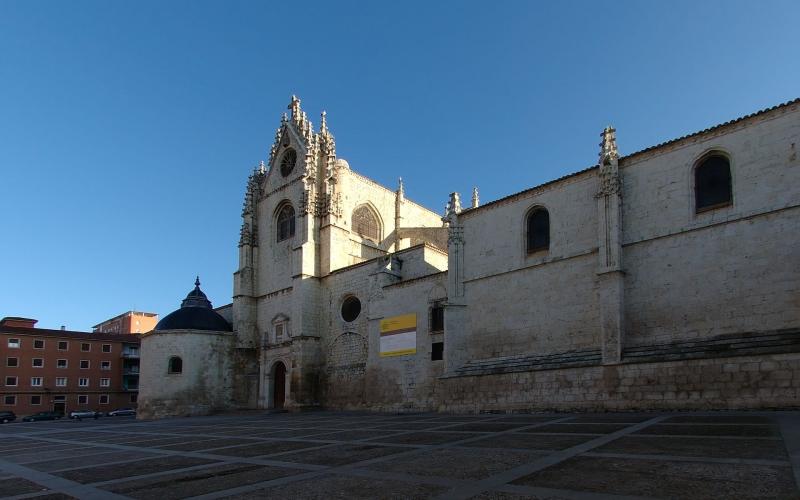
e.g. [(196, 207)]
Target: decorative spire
[(262, 168), (452, 209), (475, 200), (401, 193), (197, 282), (608, 146), (323, 125), (294, 106)]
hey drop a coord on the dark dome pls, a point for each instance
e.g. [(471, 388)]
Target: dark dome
[(195, 314)]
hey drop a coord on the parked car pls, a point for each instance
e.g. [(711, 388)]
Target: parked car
[(7, 416), (122, 412), (84, 414), (43, 415)]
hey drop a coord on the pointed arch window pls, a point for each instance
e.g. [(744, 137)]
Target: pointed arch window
[(365, 223), (712, 183), (285, 222), (538, 230)]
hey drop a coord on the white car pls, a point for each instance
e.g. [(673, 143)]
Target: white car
[(84, 414)]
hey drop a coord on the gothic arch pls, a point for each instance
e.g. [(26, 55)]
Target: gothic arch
[(278, 377), (711, 180), (366, 222), (536, 229), (285, 221)]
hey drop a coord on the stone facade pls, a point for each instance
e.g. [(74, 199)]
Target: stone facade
[(639, 297)]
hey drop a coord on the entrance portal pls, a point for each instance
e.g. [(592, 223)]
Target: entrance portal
[(278, 385)]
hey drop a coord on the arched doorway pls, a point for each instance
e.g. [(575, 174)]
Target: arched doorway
[(278, 385)]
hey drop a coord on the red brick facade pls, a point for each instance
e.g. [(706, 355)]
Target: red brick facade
[(56, 370)]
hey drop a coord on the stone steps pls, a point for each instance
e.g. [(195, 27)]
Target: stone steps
[(742, 344), (529, 362)]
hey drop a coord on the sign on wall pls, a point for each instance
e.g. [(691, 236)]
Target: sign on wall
[(399, 335)]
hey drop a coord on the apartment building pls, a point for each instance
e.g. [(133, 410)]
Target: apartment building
[(128, 322), (63, 371)]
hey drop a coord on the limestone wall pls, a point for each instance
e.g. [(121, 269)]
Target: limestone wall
[(203, 386), (726, 383), (732, 269)]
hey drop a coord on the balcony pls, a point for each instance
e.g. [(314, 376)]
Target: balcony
[(131, 371), (129, 354)]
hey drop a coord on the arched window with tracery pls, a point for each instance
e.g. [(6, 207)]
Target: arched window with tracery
[(712, 183), (365, 223), (538, 230), (285, 222)]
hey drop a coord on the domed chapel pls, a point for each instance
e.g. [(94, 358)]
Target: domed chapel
[(668, 278)]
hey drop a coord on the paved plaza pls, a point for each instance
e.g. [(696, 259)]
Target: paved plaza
[(329, 455)]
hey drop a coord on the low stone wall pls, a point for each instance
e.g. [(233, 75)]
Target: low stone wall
[(724, 383), (748, 382)]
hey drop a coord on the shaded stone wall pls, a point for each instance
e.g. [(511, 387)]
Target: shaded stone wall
[(205, 384)]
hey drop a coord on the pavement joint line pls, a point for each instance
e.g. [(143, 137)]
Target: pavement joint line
[(194, 454), (58, 484), (545, 462), (685, 458), (89, 466), (355, 465), (695, 436), (81, 455), (559, 493), (790, 432), (139, 477)]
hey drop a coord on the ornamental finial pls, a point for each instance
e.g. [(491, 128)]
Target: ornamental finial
[(197, 282), (323, 126), (608, 146), (294, 106), (475, 199)]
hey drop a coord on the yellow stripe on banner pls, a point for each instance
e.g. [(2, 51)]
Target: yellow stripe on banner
[(404, 352), (398, 323)]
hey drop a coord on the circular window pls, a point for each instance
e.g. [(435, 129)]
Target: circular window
[(288, 161), (351, 308)]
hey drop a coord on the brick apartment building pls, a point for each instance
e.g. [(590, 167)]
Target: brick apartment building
[(128, 322), (60, 370)]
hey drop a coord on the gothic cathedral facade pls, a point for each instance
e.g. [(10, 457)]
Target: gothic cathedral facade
[(665, 279)]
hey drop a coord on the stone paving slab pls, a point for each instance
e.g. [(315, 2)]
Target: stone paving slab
[(346, 488), (147, 466), (601, 428), (18, 486), (712, 430), (766, 449), (341, 455), (425, 455), (425, 438), (265, 448), (205, 444), (85, 461), (460, 463), (688, 480), (532, 441), (198, 482)]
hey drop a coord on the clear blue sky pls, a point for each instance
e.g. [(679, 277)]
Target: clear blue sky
[(128, 129)]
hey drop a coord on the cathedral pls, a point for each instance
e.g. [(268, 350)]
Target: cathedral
[(668, 278)]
